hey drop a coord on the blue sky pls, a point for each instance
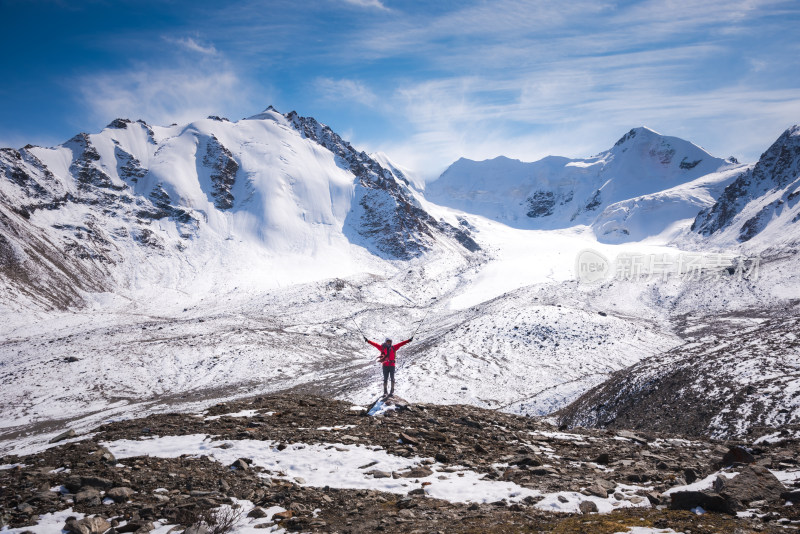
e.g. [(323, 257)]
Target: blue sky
[(425, 82)]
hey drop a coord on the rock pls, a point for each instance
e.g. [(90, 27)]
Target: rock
[(137, 527), (636, 499), (690, 475), (606, 484), (300, 480), (257, 513), (587, 507), (280, 516), (709, 501), (562, 499), (25, 508), (543, 471), (65, 435), (106, 456), (88, 497), (120, 494), (753, 483), (417, 472), (631, 436), (418, 491), (88, 525), (241, 464), (597, 491), (525, 460), (654, 497), (379, 474), (405, 438), (737, 455), (196, 529), (603, 459), (441, 458), (793, 496), (96, 482)]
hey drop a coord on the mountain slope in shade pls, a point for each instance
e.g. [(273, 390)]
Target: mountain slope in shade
[(737, 375), (762, 204), (142, 205), (558, 192)]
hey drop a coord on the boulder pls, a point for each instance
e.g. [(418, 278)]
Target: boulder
[(525, 460), (597, 491), (688, 500), (64, 435), (405, 438), (603, 459), (417, 472), (793, 496), (106, 456), (96, 482), (240, 464), (88, 525), (587, 507), (120, 494), (88, 497), (753, 483), (737, 455), (257, 513)]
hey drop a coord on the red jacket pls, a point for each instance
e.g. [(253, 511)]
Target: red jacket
[(387, 356)]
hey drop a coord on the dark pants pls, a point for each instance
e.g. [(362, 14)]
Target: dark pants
[(388, 371)]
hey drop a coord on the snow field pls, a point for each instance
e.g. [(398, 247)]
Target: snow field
[(343, 466)]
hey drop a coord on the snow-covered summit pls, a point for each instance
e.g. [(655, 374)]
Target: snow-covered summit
[(239, 193), (558, 192)]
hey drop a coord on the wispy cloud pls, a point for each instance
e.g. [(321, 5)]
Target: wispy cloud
[(374, 4), (343, 90), (193, 45), (179, 90)]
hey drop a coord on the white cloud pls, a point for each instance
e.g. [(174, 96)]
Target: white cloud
[(377, 4), (193, 45), (346, 90), (179, 92)]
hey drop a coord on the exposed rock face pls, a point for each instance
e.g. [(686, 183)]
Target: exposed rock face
[(223, 172), (721, 384), (758, 195), (388, 215), (52, 265)]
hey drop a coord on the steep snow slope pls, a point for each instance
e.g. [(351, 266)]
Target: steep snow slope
[(760, 207), (558, 192), (267, 200)]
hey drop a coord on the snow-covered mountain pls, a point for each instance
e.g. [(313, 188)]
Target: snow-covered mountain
[(762, 204), (134, 204), (220, 259), (636, 189)]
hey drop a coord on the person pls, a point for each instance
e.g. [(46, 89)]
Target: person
[(387, 357)]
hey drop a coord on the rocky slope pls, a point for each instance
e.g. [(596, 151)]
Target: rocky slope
[(762, 203), (737, 375), (634, 480)]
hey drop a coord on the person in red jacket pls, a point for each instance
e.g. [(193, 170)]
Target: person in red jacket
[(387, 357)]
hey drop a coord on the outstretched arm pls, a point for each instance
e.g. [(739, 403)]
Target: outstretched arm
[(402, 343), (376, 345)]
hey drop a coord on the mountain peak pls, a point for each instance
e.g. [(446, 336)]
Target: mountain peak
[(639, 132)]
